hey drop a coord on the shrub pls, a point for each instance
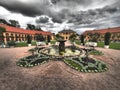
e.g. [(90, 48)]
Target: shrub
[(11, 43), (21, 44), (82, 39), (107, 38), (29, 39)]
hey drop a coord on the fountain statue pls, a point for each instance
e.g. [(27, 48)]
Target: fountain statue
[(61, 46)]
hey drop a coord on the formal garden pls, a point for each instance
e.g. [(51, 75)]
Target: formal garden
[(75, 57)]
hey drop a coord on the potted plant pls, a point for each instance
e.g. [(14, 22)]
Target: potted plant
[(107, 39), (29, 40)]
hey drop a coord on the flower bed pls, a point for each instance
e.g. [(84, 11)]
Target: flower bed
[(31, 61), (86, 64)]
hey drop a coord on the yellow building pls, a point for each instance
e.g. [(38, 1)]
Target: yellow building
[(66, 33), (18, 34), (115, 34)]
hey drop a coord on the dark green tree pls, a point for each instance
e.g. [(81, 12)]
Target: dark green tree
[(30, 26), (38, 29), (94, 37), (29, 39), (14, 23), (82, 39), (48, 38), (39, 37), (3, 21), (2, 30), (73, 37), (58, 37), (107, 38)]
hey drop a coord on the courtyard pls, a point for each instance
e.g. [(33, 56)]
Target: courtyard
[(56, 75)]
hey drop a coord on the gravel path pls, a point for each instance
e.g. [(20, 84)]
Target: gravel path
[(56, 75)]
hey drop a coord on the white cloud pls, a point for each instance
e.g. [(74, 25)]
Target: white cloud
[(4, 12), (23, 20)]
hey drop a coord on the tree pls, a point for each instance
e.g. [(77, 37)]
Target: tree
[(2, 30), (29, 39), (30, 26), (14, 23), (73, 37), (107, 38), (82, 39), (48, 38), (38, 29), (94, 36), (3, 21), (39, 37), (58, 37)]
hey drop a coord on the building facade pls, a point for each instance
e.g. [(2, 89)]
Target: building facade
[(18, 34), (66, 33), (115, 34)]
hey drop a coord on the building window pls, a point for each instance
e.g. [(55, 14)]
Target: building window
[(66, 37)]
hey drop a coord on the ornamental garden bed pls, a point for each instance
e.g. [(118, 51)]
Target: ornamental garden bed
[(80, 62), (86, 64)]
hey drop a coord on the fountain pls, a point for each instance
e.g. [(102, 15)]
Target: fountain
[(61, 46), (73, 56)]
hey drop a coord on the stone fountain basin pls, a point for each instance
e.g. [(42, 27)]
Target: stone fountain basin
[(54, 52)]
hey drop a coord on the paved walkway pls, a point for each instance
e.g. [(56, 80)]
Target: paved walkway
[(56, 75)]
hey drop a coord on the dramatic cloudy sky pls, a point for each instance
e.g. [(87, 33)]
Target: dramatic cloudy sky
[(55, 15)]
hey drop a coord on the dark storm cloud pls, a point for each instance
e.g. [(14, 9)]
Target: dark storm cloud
[(27, 9), (38, 7), (90, 16), (81, 13), (42, 19), (71, 2)]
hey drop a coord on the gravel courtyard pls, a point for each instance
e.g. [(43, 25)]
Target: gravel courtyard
[(56, 75)]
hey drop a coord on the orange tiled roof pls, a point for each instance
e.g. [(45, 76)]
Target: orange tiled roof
[(23, 31), (103, 31)]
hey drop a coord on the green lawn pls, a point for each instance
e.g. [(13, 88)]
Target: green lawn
[(52, 42), (113, 45), (77, 42), (24, 44)]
